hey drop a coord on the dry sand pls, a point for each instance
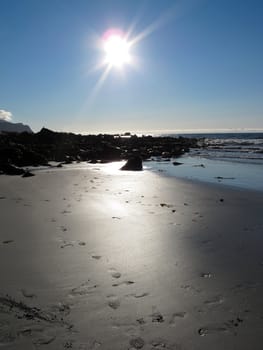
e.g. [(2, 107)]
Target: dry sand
[(90, 260)]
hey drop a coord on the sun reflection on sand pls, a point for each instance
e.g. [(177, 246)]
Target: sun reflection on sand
[(115, 208), (113, 168)]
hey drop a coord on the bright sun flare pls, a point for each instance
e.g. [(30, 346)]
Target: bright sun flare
[(117, 49)]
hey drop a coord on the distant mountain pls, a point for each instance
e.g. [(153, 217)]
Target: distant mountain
[(14, 127)]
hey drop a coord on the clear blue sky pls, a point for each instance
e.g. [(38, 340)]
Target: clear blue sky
[(200, 69)]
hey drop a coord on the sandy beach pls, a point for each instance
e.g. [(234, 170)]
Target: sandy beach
[(133, 260)]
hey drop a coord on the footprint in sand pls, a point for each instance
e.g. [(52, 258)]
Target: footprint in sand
[(66, 244), (45, 338), (113, 302), (66, 212), (7, 241), (206, 275), (247, 285), (91, 345), (27, 294), (166, 205), (61, 308), (137, 343), (175, 316), (206, 241), (95, 345), (190, 288), (229, 326), (83, 289), (138, 295), (159, 343), (122, 283), (68, 344), (141, 320), (157, 316), (212, 329), (114, 273), (214, 301), (40, 335), (97, 257)]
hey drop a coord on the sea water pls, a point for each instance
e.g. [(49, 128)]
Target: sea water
[(234, 159)]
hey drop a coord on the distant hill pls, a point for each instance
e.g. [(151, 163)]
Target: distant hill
[(14, 127)]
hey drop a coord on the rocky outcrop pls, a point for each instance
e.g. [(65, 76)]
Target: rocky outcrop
[(25, 149)]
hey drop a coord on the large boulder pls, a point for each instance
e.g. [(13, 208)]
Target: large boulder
[(134, 163)]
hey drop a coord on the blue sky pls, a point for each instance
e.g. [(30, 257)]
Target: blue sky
[(201, 68)]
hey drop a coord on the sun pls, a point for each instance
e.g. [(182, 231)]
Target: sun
[(117, 49)]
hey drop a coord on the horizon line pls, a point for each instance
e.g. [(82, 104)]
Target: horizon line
[(170, 131)]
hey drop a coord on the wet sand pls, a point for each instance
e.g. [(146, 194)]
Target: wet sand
[(90, 260)]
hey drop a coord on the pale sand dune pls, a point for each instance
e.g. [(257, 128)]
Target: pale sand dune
[(90, 260)]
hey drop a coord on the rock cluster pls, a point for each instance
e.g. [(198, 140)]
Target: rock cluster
[(19, 150)]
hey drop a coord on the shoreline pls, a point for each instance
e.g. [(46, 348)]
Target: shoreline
[(128, 261), (212, 171), (114, 167)]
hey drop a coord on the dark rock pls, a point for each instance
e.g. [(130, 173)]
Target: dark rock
[(133, 163), (177, 163), (10, 169), (199, 165), (28, 174)]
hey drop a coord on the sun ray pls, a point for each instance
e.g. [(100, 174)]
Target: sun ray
[(175, 12), (152, 27), (99, 84), (135, 22)]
